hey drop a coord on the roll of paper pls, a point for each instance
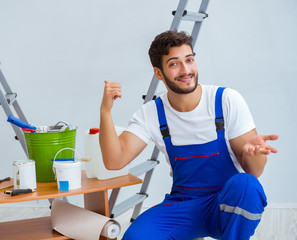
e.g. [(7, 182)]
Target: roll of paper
[(111, 229), (81, 224)]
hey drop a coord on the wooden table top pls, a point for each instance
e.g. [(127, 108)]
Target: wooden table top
[(46, 190)]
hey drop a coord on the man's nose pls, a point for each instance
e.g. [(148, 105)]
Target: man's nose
[(184, 69)]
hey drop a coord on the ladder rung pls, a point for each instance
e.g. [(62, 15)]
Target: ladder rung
[(127, 204), (192, 16), (10, 97), (143, 167)]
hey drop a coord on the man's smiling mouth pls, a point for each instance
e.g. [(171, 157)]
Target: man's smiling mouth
[(185, 78)]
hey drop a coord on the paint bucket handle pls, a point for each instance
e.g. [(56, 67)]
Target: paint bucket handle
[(59, 123), (61, 151)]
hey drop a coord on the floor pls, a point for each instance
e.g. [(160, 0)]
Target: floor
[(276, 224)]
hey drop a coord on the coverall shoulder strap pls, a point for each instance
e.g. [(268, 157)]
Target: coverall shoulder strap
[(162, 118), (219, 121)]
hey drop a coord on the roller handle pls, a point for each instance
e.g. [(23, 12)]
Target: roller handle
[(15, 192), (19, 123)]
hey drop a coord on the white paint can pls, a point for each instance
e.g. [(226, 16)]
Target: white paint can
[(24, 174), (68, 175)]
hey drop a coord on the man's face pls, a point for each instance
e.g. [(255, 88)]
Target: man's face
[(180, 70)]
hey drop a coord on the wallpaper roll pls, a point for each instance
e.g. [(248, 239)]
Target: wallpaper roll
[(111, 229), (81, 224)]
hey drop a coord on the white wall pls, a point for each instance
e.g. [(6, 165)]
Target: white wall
[(56, 55)]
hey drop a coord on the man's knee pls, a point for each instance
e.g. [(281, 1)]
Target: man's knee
[(144, 227), (244, 188)]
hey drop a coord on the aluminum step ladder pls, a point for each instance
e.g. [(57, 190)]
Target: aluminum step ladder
[(147, 168), (8, 100)]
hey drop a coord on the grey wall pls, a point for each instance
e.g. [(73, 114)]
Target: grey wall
[(57, 54)]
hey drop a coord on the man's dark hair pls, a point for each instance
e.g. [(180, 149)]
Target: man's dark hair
[(162, 44)]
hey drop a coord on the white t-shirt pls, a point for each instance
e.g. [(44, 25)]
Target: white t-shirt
[(196, 126)]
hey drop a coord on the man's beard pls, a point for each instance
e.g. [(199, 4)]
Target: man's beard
[(175, 88)]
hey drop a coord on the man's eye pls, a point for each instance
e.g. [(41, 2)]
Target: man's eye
[(191, 60), (172, 64)]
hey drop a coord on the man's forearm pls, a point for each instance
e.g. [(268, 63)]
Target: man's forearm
[(254, 163), (109, 142), (251, 151)]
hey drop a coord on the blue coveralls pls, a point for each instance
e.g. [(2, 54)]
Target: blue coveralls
[(208, 197)]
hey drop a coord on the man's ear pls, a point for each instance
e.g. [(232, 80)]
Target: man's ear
[(158, 73)]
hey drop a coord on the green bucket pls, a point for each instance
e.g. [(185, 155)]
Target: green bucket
[(42, 148)]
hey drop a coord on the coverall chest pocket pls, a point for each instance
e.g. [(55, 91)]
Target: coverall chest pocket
[(197, 171)]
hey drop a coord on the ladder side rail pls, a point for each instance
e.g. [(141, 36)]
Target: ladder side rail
[(7, 110), (112, 199), (203, 6), (15, 104), (145, 184), (152, 89), (178, 14), (127, 204), (16, 129), (116, 210), (143, 190), (197, 25), (139, 170), (19, 111), (154, 157), (4, 83)]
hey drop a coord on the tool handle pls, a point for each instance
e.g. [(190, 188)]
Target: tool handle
[(86, 159), (19, 122), (5, 179), (15, 192)]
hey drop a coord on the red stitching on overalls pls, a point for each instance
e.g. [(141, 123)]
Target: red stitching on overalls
[(176, 158), (198, 188), (159, 205)]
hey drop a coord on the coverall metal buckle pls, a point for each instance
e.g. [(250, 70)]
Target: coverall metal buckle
[(164, 131), (219, 123)]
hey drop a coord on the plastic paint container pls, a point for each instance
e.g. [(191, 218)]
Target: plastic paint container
[(68, 175), (24, 174), (42, 146), (96, 168)]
